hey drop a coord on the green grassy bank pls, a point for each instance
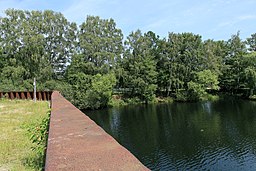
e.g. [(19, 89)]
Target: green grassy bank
[(23, 135)]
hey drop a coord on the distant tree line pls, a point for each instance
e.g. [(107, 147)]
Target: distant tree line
[(87, 63)]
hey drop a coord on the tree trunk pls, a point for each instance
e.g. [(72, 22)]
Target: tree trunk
[(251, 91)]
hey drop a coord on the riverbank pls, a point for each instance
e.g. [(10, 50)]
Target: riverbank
[(118, 100), (20, 124)]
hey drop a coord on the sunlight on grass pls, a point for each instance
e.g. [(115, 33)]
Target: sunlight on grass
[(15, 145)]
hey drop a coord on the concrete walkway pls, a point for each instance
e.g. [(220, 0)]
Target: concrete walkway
[(76, 143)]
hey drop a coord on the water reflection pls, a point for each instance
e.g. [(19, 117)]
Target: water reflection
[(186, 136)]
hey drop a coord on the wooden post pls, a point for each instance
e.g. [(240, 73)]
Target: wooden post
[(17, 96), (11, 96), (39, 95), (28, 95), (44, 96), (34, 89), (23, 95)]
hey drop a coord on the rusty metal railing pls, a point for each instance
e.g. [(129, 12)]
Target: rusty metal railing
[(40, 95)]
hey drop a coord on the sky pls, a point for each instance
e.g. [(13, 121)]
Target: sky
[(212, 19)]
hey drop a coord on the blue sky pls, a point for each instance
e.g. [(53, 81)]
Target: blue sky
[(213, 19)]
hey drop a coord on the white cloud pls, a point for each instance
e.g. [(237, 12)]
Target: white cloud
[(236, 20), (209, 18), (157, 23), (246, 17), (79, 9)]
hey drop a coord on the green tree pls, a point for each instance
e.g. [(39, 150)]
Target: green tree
[(2, 60), (100, 42), (40, 42), (213, 54), (249, 71), (91, 91), (91, 72), (182, 60), (232, 70), (100, 92), (139, 66), (204, 80), (251, 41)]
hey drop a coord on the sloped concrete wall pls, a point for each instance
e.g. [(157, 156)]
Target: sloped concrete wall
[(76, 142)]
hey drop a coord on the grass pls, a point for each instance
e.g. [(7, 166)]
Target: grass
[(16, 147), (252, 97)]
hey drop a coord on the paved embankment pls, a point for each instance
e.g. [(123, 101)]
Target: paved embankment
[(77, 143)]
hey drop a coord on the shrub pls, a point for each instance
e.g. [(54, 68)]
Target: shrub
[(38, 133), (115, 102)]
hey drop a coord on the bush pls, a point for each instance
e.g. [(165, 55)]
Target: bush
[(115, 102), (182, 96), (133, 100), (253, 97), (38, 133), (164, 100), (212, 97), (91, 92), (196, 91)]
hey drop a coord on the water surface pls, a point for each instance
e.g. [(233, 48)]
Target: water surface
[(217, 135)]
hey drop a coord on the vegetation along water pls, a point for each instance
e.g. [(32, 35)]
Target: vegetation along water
[(94, 66), (219, 135), (91, 62)]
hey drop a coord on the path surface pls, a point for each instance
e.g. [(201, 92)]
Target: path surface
[(77, 143)]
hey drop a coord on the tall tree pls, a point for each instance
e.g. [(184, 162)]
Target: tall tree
[(139, 66), (213, 54), (91, 71), (251, 41), (41, 42), (204, 80), (231, 78), (249, 71), (185, 55), (100, 42)]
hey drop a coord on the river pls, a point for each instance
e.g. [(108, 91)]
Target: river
[(219, 135)]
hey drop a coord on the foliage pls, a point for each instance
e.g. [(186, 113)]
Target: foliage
[(182, 96), (132, 100), (100, 42), (39, 42), (196, 91), (100, 92), (249, 71), (168, 100), (232, 63), (15, 146), (251, 41), (204, 80), (85, 63), (38, 132), (115, 102), (139, 66), (252, 97), (91, 91), (212, 97)]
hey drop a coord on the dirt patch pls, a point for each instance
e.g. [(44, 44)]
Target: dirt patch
[(4, 168)]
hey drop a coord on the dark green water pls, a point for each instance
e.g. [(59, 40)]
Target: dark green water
[(217, 135)]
